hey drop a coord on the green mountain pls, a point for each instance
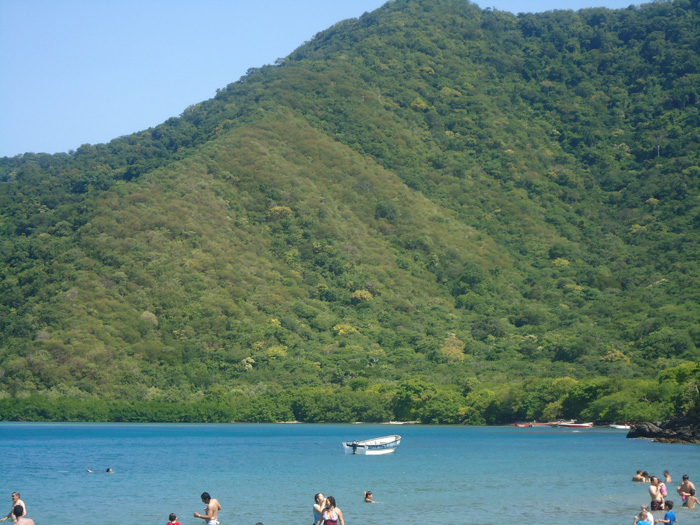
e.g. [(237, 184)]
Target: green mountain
[(432, 212)]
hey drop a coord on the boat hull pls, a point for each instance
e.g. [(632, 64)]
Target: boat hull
[(373, 447), (575, 425)]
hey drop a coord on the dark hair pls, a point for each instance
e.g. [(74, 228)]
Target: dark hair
[(665, 472), (692, 492), (172, 516), (205, 496), (331, 501), (18, 510), (669, 504), (317, 495), (685, 476)]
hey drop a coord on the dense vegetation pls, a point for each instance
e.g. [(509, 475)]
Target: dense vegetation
[(433, 212)]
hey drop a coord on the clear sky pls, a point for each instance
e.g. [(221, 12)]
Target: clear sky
[(86, 71)]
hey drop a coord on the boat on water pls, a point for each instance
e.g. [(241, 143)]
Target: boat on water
[(575, 425), (621, 427), (541, 424), (374, 446)]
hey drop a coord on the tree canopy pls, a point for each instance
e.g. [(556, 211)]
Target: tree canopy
[(432, 212)]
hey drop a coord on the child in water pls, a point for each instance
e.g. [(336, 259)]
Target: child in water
[(173, 519), (670, 516), (690, 499)]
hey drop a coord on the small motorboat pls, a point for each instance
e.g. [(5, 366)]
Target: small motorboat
[(373, 447), (575, 425), (621, 427)]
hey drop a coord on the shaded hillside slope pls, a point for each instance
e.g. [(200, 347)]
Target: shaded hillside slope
[(445, 213)]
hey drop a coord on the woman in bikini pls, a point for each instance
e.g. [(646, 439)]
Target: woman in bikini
[(332, 515)]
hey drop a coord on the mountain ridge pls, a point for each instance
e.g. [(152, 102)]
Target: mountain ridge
[(405, 214)]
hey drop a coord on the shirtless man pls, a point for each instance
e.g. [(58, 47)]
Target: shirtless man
[(638, 476), (15, 502), (657, 498), (19, 513), (686, 485), (211, 511)]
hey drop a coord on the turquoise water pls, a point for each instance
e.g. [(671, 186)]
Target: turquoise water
[(270, 473)]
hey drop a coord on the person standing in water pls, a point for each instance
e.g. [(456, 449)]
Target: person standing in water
[(211, 511), (15, 502), (332, 515), (319, 503), (690, 499), (670, 516), (657, 498), (641, 519), (686, 485), (21, 516)]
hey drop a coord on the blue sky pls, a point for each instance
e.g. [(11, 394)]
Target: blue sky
[(87, 71)]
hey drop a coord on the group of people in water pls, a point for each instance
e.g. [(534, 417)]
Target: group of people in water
[(326, 511), (658, 493)]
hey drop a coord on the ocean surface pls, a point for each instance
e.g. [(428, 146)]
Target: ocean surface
[(270, 473)]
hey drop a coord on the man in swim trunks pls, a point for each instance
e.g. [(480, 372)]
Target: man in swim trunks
[(211, 511), (657, 498)]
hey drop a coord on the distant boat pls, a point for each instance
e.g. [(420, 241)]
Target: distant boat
[(541, 424), (373, 447), (575, 425), (621, 427)]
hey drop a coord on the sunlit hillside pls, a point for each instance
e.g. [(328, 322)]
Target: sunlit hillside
[(433, 212)]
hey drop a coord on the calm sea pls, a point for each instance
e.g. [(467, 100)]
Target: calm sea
[(270, 473)]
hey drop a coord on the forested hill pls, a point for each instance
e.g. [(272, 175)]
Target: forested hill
[(432, 212)]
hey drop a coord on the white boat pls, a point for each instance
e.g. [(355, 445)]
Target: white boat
[(621, 427), (575, 425), (373, 447)]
